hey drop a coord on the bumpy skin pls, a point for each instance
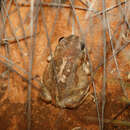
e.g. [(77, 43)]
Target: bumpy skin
[(66, 76), (58, 1)]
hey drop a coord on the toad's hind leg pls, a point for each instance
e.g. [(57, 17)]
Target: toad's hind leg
[(72, 101)]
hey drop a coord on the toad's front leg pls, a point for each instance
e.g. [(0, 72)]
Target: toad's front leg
[(45, 94)]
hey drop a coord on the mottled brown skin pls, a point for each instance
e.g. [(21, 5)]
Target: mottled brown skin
[(66, 75)]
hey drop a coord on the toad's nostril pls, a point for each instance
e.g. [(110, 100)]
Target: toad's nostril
[(61, 38), (82, 46)]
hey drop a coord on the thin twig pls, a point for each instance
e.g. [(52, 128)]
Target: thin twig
[(124, 15), (73, 19), (9, 64), (33, 26), (4, 17), (21, 23), (12, 63), (85, 4), (13, 40), (6, 45), (27, 17), (8, 56), (49, 45), (115, 60), (27, 4), (94, 87), (109, 121), (111, 57), (24, 79), (119, 113), (111, 8), (104, 61), (77, 19), (30, 68), (14, 34), (90, 7)]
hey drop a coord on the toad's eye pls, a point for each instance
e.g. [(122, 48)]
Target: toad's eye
[(60, 39), (82, 45)]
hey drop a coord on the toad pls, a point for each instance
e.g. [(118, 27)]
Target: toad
[(66, 76)]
